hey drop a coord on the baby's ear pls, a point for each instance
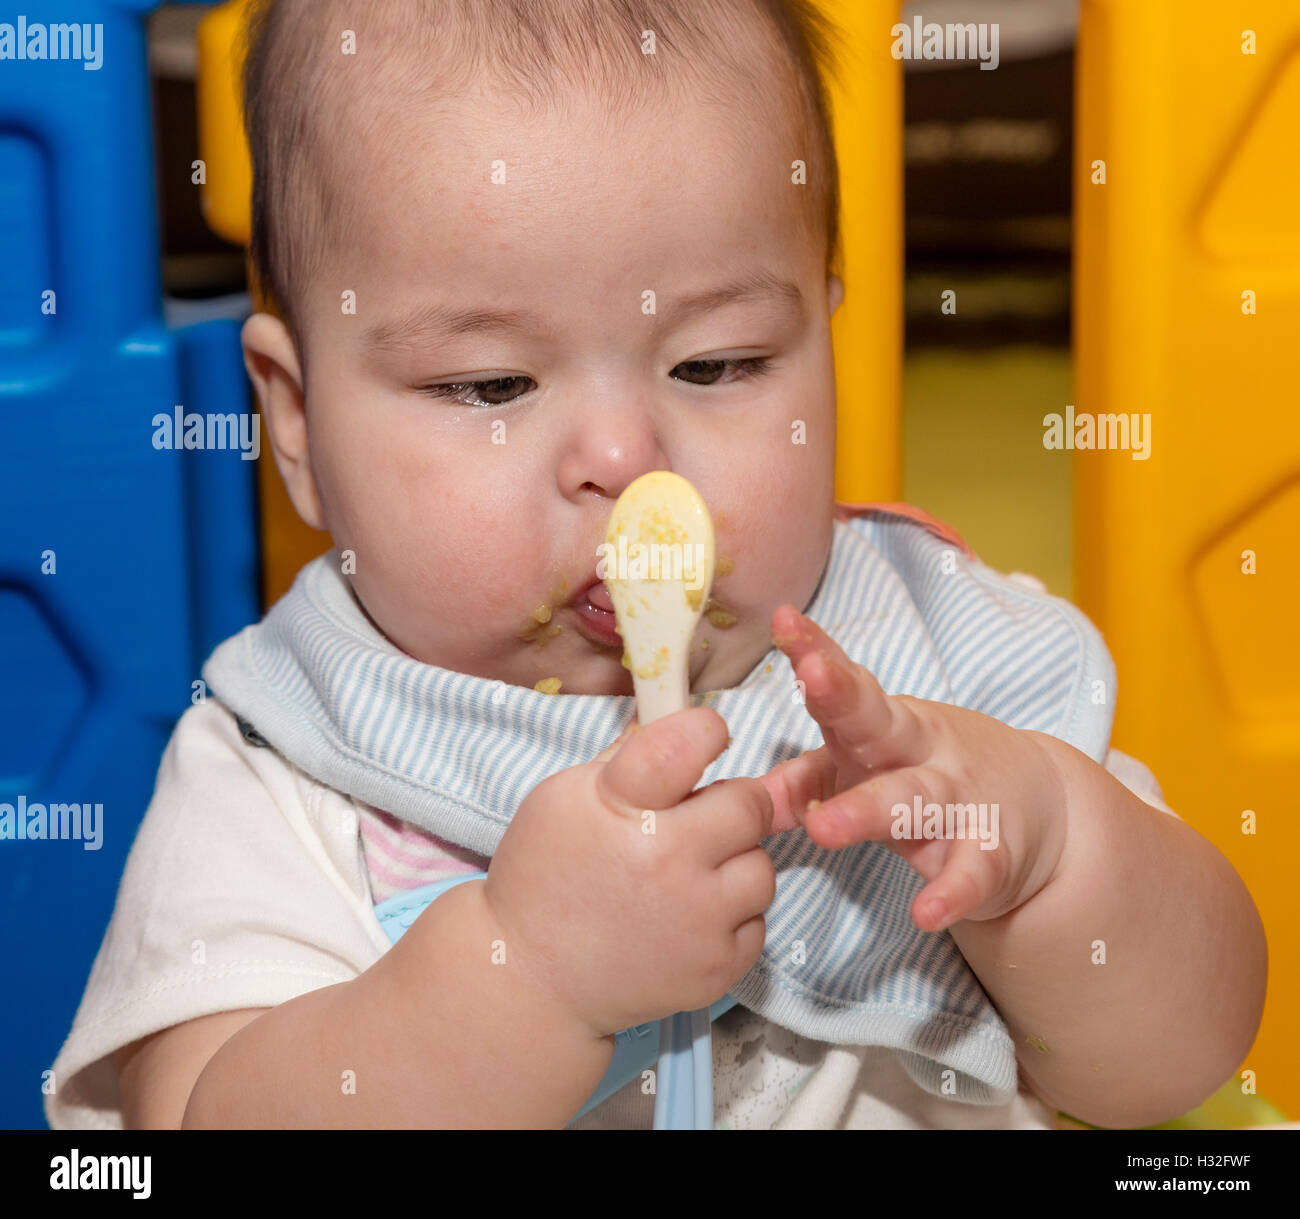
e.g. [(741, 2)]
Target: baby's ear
[(834, 292), (273, 367)]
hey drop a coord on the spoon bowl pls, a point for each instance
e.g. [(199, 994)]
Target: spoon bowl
[(658, 561)]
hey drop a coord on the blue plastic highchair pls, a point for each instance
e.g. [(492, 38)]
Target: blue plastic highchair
[(122, 564)]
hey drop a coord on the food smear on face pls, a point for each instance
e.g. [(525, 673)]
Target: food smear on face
[(533, 624), (718, 615), (723, 566), (548, 685), (537, 627), (532, 631)]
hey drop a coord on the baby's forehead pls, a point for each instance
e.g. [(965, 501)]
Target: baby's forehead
[(437, 177), (416, 57), (405, 139), (409, 128)]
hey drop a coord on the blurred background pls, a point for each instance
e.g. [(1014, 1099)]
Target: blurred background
[(987, 159), (1139, 280)]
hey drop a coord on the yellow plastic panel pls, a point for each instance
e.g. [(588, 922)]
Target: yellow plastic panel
[(867, 102), (1200, 208), (224, 197)]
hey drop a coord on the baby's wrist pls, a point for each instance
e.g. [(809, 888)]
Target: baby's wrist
[(529, 971)]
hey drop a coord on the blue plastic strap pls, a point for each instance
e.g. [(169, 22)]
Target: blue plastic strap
[(635, 1049), (402, 909)]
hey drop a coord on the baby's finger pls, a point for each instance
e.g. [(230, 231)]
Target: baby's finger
[(864, 813), (971, 879), (861, 723), (796, 781), (728, 818), (661, 762)]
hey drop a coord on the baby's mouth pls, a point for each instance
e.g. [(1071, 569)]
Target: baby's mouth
[(594, 618), (595, 612), (594, 609)]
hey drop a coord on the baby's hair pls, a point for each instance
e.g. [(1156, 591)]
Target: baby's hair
[(729, 52)]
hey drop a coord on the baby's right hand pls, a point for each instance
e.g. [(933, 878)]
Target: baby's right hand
[(626, 893)]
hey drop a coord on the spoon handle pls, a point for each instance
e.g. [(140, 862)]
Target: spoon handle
[(659, 553), (656, 698), (684, 1093)]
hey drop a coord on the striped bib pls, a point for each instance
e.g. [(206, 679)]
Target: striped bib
[(843, 963)]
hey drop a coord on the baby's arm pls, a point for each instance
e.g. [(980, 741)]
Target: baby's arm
[(1175, 1007), (1133, 1036), (156, 1074), (433, 1034)]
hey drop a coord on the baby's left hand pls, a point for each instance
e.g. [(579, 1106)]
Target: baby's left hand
[(881, 750)]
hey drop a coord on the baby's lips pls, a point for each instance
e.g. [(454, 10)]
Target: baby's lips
[(598, 595)]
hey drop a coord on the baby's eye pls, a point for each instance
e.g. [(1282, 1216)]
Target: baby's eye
[(708, 372), (499, 391), (495, 392)]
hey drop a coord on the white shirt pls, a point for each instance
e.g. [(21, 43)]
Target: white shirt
[(247, 886)]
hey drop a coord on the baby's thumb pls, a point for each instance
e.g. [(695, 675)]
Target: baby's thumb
[(614, 746), (660, 766)]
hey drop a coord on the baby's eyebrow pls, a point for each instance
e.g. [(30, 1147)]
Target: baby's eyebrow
[(755, 285), (438, 320), (441, 321)]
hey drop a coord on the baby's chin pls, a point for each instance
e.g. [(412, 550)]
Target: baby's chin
[(601, 670), (567, 662), (554, 663), (570, 663)]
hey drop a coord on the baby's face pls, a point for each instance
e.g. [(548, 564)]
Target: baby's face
[(476, 511)]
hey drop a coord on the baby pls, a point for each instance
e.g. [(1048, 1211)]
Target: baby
[(523, 252)]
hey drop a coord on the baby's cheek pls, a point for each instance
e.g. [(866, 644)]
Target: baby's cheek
[(797, 552)]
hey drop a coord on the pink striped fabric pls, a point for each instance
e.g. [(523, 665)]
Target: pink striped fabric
[(401, 856)]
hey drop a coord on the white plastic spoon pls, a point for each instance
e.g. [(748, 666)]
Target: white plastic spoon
[(658, 567)]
